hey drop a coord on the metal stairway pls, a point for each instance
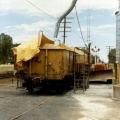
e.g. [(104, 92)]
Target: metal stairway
[(81, 76)]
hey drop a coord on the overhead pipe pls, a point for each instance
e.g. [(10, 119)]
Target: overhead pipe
[(62, 17)]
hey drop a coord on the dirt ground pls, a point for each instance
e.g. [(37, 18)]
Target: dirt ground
[(8, 80), (94, 104), (98, 103)]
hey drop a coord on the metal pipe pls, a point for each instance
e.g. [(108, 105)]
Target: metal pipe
[(46, 61), (62, 17), (39, 37)]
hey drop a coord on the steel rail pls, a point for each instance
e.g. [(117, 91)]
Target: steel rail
[(14, 118), (6, 75)]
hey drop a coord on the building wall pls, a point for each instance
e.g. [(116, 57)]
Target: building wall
[(118, 37)]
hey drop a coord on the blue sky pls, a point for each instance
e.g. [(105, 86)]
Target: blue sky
[(22, 21)]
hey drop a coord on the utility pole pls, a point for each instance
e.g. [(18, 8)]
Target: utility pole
[(89, 45), (64, 30), (63, 16), (64, 27), (109, 49), (95, 50)]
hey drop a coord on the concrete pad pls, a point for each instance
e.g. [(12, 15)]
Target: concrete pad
[(116, 92)]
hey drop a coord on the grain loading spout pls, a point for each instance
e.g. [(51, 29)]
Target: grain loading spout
[(62, 17)]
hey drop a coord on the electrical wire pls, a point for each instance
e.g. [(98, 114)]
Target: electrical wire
[(76, 33), (50, 16), (80, 26), (41, 10), (88, 24)]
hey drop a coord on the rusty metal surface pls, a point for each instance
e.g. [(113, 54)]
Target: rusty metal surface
[(101, 75)]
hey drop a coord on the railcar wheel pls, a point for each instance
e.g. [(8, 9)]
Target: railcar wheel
[(30, 87), (109, 81), (59, 87)]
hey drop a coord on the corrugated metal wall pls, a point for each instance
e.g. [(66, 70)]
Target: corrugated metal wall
[(118, 43), (117, 38), (118, 35)]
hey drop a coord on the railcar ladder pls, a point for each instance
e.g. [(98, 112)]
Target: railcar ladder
[(80, 76), (20, 76)]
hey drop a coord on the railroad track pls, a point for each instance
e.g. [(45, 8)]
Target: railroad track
[(27, 110), (6, 75), (39, 104)]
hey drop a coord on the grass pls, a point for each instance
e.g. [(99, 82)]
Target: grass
[(6, 68)]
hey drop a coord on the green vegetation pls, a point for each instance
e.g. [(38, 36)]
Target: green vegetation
[(112, 56), (6, 45)]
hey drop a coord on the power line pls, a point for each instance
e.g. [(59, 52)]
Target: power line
[(109, 48), (88, 24), (79, 26), (76, 33), (50, 16), (40, 10)]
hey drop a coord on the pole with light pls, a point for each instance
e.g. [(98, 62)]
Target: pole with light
[(95, 50)]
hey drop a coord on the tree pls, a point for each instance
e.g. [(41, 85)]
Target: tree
[(85, 50), (6, 43), (112, 56), (16, 44)]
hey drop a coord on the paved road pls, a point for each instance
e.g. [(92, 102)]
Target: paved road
[(94, 104)]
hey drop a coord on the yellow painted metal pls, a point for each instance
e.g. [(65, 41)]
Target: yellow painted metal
[(102, 75), (118, 74), (30, 67), (70, 61), (29, 49), (81, 57), (62, 45), (40, 56), (53, 64), (46, 63)]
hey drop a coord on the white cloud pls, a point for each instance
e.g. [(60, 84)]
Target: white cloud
[(24, 7), (31, 27), (101, 29), (98, 4), (54, 7), (104, 30), (24, 32), (106, 26)]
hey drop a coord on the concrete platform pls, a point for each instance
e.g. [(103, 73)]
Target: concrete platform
[(116, 92)]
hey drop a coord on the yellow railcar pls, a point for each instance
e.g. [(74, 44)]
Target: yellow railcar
[(52, 65), (45, 64)]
